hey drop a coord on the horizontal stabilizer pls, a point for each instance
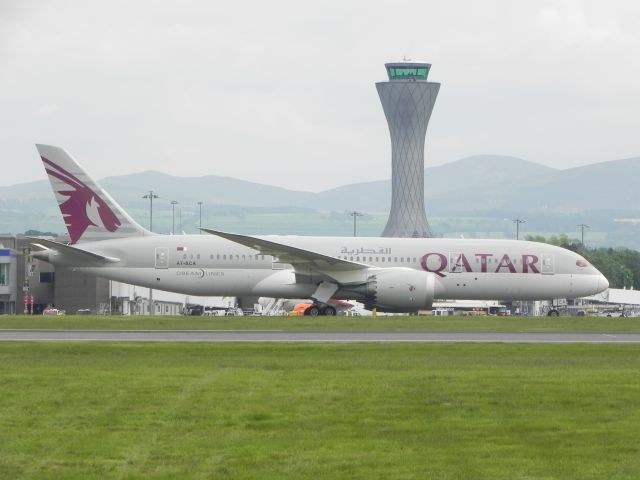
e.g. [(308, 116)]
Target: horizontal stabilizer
[(75, 255)]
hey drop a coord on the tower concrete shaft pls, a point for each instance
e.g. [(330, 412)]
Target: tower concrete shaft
[(407, 100)]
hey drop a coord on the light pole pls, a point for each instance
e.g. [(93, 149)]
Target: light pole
[(355, 215), (180, 215), (583, 226), (518, 221), (173, 216), (150, 196), (200, 206)]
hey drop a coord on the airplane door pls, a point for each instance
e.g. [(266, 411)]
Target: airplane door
[(162, 257), (548, 267)]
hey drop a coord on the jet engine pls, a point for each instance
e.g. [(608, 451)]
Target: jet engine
[(399, 290)]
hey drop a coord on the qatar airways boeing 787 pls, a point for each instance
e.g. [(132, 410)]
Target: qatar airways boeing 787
[(389, 274)]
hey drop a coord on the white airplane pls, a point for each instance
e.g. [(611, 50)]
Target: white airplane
[(389, 274)]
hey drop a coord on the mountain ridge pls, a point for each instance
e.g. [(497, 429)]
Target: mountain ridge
[(474, 186)]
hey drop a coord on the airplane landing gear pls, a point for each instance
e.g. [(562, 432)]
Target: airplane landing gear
[(329, 311), (316, 310), (312, 311)]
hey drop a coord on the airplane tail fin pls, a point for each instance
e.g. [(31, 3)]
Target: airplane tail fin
[(88, 211)]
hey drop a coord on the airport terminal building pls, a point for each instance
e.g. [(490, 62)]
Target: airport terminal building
[(28, 285), (8, 280)]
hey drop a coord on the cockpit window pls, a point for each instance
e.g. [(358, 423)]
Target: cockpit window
[(582, 263)]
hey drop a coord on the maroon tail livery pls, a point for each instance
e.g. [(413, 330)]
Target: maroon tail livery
[(88, 211)]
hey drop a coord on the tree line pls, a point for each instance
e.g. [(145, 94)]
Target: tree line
[(620, 265)]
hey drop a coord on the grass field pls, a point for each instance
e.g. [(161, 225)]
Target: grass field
[(353, 324), (319, 411)]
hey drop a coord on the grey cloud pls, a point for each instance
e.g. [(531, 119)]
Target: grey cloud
[(283, 92)]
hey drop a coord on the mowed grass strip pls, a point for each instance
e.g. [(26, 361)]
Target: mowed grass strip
[(319, 411), (406, 323)]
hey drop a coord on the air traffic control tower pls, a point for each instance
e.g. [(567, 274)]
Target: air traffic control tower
[(407, 99)]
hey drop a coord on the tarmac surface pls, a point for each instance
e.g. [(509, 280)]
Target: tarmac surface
[(253, 336)]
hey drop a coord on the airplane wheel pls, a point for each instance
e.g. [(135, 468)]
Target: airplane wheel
[(329, 311), (312, 311), (553, 313)]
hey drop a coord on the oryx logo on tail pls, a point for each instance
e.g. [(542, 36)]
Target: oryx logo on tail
[(83, 207)]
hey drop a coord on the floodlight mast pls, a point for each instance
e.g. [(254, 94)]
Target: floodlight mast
[(582, 227), (355, 215), (173, 216), (150, 196), (518, 221)]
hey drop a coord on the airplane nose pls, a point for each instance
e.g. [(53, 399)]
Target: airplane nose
[(603, 283)]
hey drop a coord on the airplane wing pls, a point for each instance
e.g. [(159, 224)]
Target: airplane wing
[(293, 255), (73, 253)]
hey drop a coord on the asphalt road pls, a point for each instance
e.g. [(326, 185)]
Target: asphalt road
[(309, 337)]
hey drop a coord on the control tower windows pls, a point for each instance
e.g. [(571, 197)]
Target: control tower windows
[(397, 73)]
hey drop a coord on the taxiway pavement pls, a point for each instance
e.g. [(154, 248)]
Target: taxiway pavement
[(211, 336)]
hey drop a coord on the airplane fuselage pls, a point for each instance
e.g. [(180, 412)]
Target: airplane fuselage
[(207, 265), (389, 274)]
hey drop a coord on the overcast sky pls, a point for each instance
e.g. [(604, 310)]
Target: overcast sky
[(283, 92)]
